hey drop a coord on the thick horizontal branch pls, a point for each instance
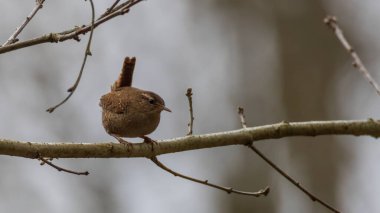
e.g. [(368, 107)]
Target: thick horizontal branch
[(237, 137)]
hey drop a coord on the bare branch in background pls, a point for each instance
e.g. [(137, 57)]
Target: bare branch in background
[(332, 23), (60, 169), (191, 122), (13, 37), (71, 33), (275, 167), (229, 190), (72, 89)]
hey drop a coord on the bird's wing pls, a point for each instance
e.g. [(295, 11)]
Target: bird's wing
[(114, 102)]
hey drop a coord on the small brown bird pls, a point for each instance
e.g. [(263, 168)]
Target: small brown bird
[(128, 111)]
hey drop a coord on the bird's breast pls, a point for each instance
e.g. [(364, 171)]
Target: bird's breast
[(130, 125)]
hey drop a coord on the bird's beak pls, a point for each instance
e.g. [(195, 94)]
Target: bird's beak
[(167, 109)]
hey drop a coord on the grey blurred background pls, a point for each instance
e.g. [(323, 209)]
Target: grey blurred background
[(274, 58)]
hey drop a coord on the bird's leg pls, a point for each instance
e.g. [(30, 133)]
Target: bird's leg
[(124, 142), (150, 141)]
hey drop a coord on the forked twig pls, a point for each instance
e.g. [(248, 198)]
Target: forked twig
[(72, 89), (275, 167), (60, 169), (191, 122), (13, 37), (205, 182), (332, 23)]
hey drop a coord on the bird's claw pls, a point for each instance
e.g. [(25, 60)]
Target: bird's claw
[(124, 142), (150, 141)]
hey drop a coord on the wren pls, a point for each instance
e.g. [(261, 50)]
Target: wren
[(128, 111)]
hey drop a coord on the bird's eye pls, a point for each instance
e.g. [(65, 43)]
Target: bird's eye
[(152, 101)]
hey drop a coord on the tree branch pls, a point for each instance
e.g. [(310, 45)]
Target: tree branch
[(368, 127), (13, 38), (332, 23), (60, 169), (229, 190), (280, 171), (292, 180), (108, 11), (189, 95), (87, 53), (71, 33)]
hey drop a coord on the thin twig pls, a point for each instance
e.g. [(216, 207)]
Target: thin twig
[(72, 89), (109, 10), (275, 167), (290, 179), (332, 23), (122, 6), (191, 122), (242, 117), (60, 169), (13, 37), (229, 190)]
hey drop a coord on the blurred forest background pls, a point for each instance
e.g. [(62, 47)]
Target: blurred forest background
[(275, 58)]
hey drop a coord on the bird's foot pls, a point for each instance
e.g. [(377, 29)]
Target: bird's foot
[(150, 141), (124, 142)]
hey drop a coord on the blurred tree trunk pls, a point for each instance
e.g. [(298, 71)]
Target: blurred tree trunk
[(298, 91), (307, 56), (246, 26)]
